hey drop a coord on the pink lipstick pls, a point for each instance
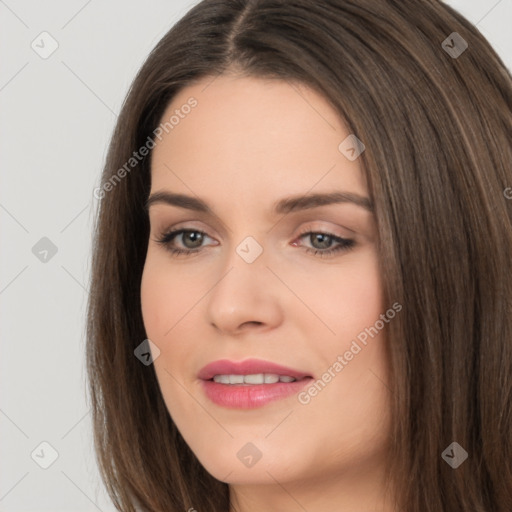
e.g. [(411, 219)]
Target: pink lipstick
[(251, 383)]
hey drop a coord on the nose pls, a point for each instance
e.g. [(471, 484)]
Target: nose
[(246, 296)]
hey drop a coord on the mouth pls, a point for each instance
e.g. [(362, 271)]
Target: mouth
[(251, 383), (253, 369), (253, 379)]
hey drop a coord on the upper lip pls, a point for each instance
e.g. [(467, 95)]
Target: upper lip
[(247, 367)]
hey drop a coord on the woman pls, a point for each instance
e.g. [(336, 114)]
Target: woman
[(301, 287)]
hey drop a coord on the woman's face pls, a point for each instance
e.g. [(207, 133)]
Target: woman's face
[(277, 276)]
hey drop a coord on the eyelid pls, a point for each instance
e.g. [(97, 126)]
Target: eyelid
[(333, 231), (310, 227), (161, 221)]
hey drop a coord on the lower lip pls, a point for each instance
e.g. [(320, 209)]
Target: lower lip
[(250, 396)]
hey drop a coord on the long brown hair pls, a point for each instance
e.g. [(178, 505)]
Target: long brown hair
[(437, 127)]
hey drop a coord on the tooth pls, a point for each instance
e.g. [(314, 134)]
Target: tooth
[(256, 378)]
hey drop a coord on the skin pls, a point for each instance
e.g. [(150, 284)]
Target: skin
[(248, 143)]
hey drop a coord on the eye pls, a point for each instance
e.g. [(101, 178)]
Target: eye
[(322, 243), (192, 242), (191, 239)]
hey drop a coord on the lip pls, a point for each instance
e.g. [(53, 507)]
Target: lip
[(249, 396), (247, 367)]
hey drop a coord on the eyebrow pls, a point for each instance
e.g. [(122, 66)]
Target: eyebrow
[(283, 206)]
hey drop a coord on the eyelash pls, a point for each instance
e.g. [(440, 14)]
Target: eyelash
[(345, 244)]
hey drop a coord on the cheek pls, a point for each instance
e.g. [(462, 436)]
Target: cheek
[(159, 304), (155, 299), (348, 298), (165, 301), (362, 294), (165, 296)]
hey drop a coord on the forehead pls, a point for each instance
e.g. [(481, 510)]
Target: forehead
[(252, 136)]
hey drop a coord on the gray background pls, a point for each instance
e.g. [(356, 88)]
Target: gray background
[(57, 115)]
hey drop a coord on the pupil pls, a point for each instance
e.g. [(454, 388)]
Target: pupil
[(324, 240), (195, 237)]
